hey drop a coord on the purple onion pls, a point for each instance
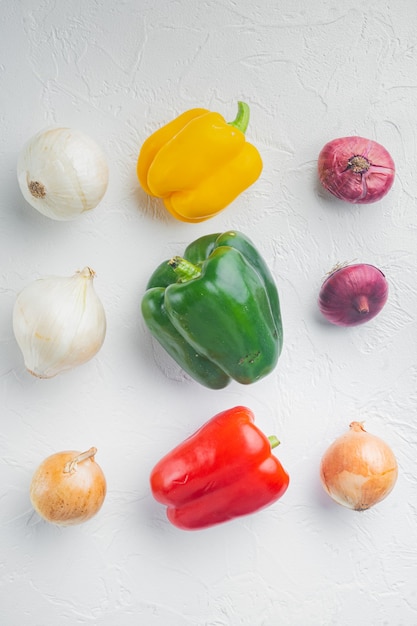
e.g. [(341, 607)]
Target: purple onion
[(356, 169), (353, 294)]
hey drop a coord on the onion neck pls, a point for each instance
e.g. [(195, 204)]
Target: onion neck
[(86, 272), (357, 427), (361, 304), (71, 466)]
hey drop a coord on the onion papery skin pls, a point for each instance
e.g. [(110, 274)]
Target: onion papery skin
[(353, 294), (59, 323), (62, 173), (353, 183), (67, 498), (359, 469)]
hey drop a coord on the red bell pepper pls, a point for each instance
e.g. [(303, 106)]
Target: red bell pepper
[(224, 470)]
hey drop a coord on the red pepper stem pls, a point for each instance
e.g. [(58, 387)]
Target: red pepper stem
[(274, 441), (184, 269), (241, 120)]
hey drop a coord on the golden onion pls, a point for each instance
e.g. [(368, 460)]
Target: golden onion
[(358, 470), (68, 487)]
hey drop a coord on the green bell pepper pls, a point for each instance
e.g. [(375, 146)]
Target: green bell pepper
[(216, 311)]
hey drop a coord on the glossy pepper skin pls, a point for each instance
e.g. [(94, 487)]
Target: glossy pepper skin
[(223, 471), (198, 163), (216, 311)]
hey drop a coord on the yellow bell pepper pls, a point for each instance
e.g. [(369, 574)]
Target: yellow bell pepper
[(198, 163)]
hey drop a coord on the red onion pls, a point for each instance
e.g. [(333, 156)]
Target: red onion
[(353, 294), (356, 169)]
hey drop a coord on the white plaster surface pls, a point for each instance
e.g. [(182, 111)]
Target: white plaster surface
[(310, 71)]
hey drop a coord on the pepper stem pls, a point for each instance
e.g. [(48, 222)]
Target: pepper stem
[(241, 120), (184, 269), (274, 441), (71, 466)]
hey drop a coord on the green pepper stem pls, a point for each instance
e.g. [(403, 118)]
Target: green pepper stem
[(184, 269), (241, 120), (274, 441)]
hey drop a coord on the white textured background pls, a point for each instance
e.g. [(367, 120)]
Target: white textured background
[(310, 71)]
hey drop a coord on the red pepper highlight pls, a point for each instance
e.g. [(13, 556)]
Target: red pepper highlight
[(224, 470)]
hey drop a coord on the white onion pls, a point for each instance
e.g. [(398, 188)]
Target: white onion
[(62, 172), (59, 323)]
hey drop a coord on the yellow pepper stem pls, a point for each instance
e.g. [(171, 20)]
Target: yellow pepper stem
[(241, 120)]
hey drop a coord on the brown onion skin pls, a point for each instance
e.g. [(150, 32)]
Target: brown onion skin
[(343, 177), (353, 294), (65, 497), (358, 469)]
